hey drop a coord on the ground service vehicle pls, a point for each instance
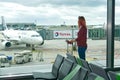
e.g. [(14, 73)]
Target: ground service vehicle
[(23, 57), (4, 61)]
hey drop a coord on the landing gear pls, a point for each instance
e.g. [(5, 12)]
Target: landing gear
[(28, 45), (33, 48)]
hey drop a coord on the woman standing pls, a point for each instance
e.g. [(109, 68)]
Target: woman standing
[(81, 37)]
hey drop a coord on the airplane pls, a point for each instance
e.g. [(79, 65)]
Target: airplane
[(28, 37)]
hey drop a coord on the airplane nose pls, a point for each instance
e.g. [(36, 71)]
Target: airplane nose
[(42, 42)]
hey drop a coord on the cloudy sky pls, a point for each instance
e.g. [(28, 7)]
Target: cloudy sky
[(56, 12)]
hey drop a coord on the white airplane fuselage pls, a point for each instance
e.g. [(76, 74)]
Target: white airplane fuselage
[(21, 36), (27, 37)]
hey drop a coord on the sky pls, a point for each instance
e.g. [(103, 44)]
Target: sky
[(56, 12)]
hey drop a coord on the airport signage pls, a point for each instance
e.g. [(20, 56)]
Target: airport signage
[(62, 34), (65, 34)]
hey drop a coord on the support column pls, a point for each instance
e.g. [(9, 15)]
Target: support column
[(110, 33)]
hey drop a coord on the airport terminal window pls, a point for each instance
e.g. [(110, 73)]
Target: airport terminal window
[(117, 36), (54, 45), (49, 18)]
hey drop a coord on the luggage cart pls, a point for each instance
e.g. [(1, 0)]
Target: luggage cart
[(69, 47)]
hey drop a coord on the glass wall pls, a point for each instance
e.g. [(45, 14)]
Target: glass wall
[(50, 15), (117, 35)]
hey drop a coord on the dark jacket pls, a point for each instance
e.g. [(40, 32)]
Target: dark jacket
[(82, 37)]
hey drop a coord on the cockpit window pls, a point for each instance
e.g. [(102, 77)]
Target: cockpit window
[(35, 35)]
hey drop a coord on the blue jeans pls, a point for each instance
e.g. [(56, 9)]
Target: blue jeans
[(81, 52)]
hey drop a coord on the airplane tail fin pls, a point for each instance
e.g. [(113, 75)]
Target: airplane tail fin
[(4, 26)]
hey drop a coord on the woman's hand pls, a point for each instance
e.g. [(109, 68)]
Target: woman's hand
[(69, 41)]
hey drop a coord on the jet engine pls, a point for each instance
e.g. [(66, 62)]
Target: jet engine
[(5, 43)]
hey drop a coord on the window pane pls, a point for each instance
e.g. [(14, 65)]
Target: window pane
[(55, 21), (117, 35)]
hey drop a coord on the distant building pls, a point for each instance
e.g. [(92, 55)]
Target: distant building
[(21, 26)]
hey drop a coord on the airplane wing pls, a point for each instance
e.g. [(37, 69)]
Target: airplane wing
[(11, 36), (3, 42)]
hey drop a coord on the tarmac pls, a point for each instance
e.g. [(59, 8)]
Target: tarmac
[(96, 52)]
